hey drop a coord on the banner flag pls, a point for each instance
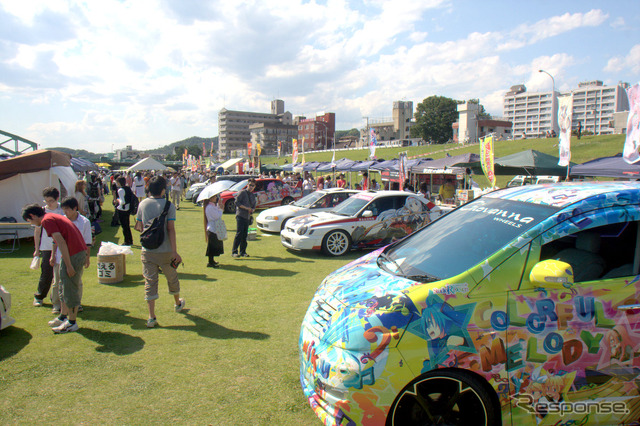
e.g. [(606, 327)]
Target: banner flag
[(333, 160), (204, 149), (402, 169), (632, 143), (372, 144), (565, 110), (249, 149), (486, 159), (211, 152), (294, 152), (279, 148), (303, 151)]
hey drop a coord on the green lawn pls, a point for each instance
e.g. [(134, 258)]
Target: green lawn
[(230, 358)]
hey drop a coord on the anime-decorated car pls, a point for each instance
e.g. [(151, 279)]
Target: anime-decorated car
[(5, 307), (269, 193), (366, 220), (520, 307), (274, 219)]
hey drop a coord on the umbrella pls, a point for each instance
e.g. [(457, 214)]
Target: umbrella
[(215, 189)]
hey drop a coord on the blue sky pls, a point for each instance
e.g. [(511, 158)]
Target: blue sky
[(100, 75)]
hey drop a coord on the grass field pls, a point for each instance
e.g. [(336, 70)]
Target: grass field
[(229, 358)]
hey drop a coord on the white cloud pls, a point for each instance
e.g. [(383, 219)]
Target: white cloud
[(629, 62)]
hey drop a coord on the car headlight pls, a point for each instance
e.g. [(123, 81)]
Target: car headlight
[(271, 218), (303, 230)]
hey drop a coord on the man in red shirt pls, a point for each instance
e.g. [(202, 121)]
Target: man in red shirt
[(68, 239)]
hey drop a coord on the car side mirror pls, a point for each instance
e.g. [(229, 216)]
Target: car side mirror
[(367, 213), (552, 273)]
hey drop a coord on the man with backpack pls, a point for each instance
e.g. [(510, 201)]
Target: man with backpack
[(123, 204), (156, 220)]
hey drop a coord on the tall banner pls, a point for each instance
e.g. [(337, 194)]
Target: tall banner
[(204, 150), (372, 144), (632, 143), (333, 160), (486, 159), (279, 148), (294, 152), (565, 110), (249, 148), (402, 169), (211, 152), (303, 151)]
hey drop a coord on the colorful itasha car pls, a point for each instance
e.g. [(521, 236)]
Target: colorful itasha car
[(366, 220), (521, 307), (5, 307)]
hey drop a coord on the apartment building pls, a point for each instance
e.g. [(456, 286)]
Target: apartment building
[(595, 105), (269, 134), (234, 133), (318, 133), (531, 114)]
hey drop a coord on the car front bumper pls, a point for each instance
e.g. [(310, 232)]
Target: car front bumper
[(291, 240)]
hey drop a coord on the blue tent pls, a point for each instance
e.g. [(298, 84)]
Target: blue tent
[(342, 165), (613, 167), (82, 165)]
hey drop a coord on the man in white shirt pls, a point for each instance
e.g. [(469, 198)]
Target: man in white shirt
[(176, 189)]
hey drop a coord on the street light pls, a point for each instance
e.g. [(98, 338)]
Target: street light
[(553, 93)]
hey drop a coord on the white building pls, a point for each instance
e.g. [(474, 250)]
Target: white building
[(470, 127), (595, 104), (531, 114), (233, 127)]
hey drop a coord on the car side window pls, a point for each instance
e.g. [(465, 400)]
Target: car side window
[(258, 187), (380, 205), (337, 199), (601, 252)]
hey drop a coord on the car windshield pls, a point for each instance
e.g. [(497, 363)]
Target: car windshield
[(351, 206), (239, 186), (309, 199), (462, 238)]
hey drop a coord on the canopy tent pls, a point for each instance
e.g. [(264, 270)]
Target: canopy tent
[(82, 165), (613, 167), (147, 164), (341, 165), (362, 166), (462, 160), (230, 163), (23, 178), (270, 168), (530, 162)]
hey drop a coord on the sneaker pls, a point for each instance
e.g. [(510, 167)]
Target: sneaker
[(66, 327), (180, 306), (37, 302), (244, 255), (56, 322), (234, 255), (152, 322)]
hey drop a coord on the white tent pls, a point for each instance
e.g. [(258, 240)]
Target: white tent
[(147, 164), (23, 178), (230, 163)]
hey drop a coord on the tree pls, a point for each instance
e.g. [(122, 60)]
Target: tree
[(434, 117)]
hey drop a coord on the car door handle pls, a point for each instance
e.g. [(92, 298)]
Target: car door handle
[(628, 307)]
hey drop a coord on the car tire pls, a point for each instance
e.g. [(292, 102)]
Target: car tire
[(287, 200), (284, 223), (336, 243), (446, 396), (230, 206)]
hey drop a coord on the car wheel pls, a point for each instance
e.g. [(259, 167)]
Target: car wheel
[(284, 223), (230, 206), (336, 243), (449, 397), (287, 200)]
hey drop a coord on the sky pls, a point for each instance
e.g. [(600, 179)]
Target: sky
[(100, 75)]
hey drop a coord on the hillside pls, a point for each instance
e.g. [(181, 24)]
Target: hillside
[(585, 149)]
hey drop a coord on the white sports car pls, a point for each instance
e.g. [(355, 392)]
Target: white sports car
[(274, 219), (5, 307), (366, 220)]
